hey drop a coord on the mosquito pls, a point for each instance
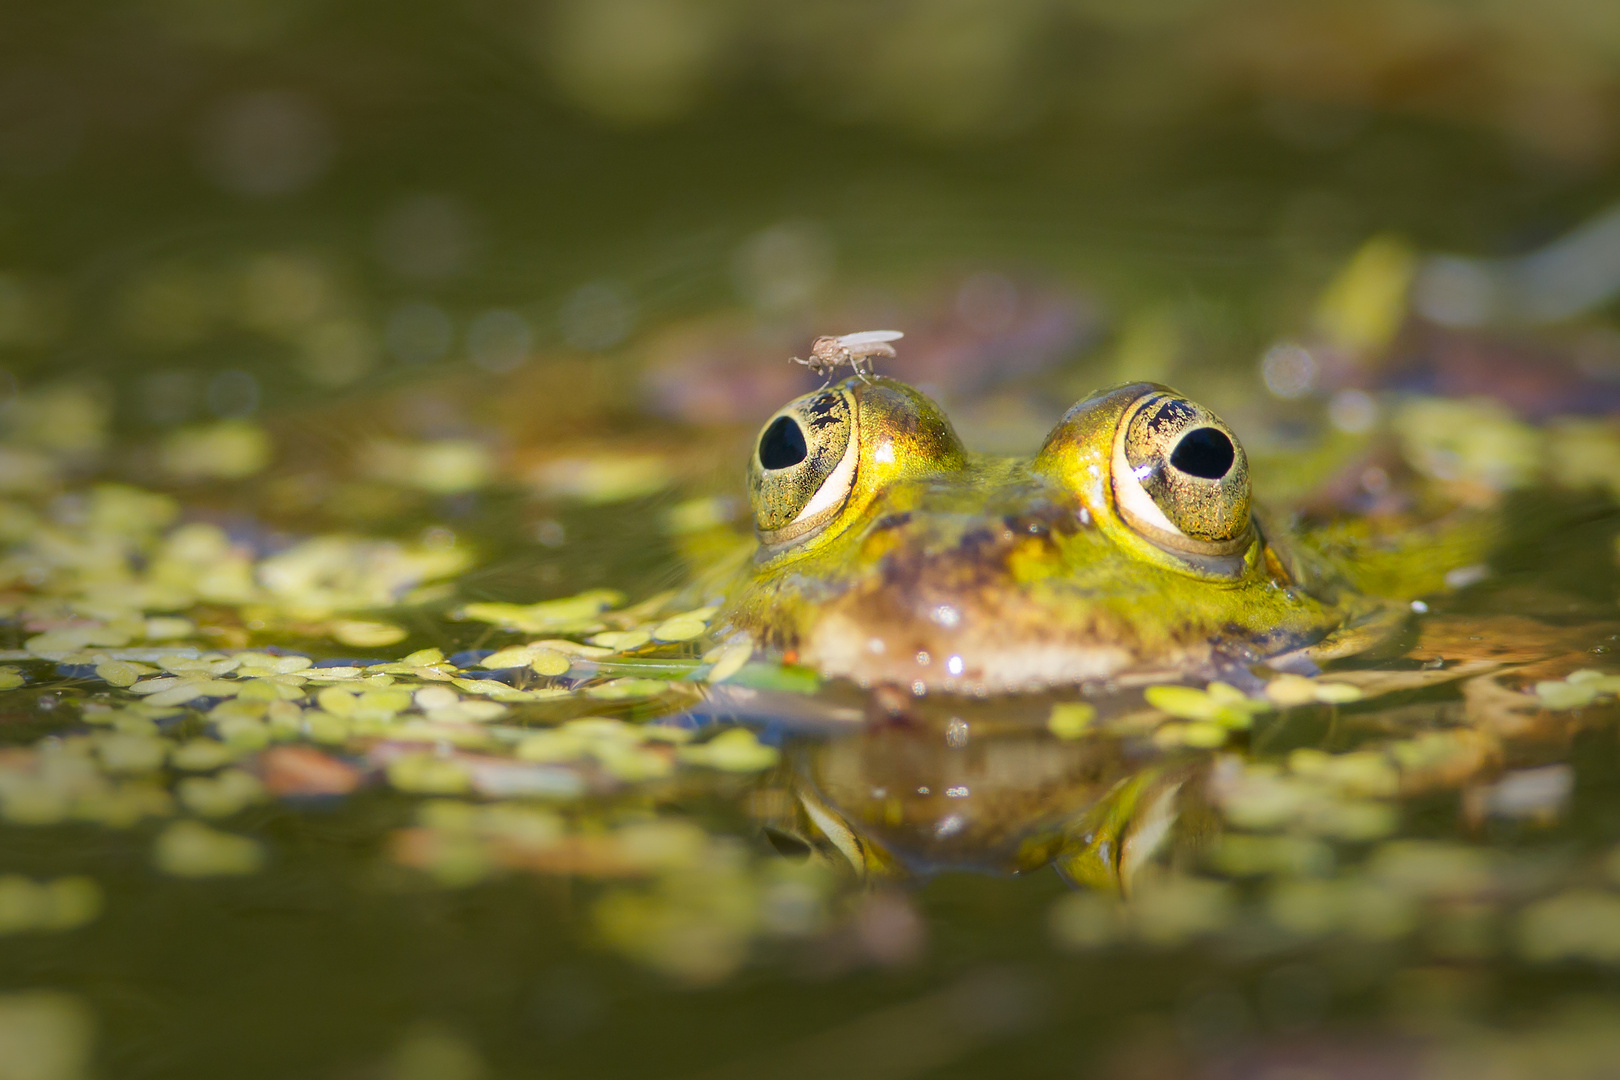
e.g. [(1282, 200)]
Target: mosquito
[(828, 354)]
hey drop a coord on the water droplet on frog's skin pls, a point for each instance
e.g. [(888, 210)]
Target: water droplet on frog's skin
[(923, 659), (924, 791), (956, 733), (875, 646), (919, 688)]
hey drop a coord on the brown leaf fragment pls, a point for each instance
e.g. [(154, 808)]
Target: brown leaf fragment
[(301, 770)]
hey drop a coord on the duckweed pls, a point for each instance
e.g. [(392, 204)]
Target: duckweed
[(1434, 870), (201, 755), (736, 750), (728, 659), (1476, 443), (606, 478), (191, 849), (1580, 924), (575, 614), (430, 1052), (679, 628), (46, 1035), (243, 734), (1264, 799), (623, 640), (1175, 909), (328, 728), (441, 467), (540, 658), (1070, 720), (428, 774), (367, 635), (1086, 920), (1243, 855), (120, 672), (132, 753), (219, 796), (228, 450), (1290, 690), (189, 653), (1201, 734), (1360, 909), (1577, 690), (63, 904), (1218, 704), (622, 689)]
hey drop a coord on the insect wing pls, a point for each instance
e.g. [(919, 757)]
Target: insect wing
[(869, 337)]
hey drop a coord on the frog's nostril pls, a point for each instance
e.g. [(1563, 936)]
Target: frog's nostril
[(1205, 452), (782, 445)]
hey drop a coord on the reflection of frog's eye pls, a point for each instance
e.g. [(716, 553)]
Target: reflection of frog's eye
[(1180, 476), (803, 466)]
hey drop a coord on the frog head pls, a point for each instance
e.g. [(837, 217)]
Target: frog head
[(1125, 548)]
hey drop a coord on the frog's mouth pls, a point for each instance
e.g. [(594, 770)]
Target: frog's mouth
[(1037, 600), (975, 663), (947, 612)]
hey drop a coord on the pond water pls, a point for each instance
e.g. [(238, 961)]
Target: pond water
[(377, 405)]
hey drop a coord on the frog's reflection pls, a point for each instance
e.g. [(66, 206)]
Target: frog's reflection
[(919, 797)]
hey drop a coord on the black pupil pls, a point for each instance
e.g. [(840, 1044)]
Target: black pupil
[(782, 445), (1204, 452)]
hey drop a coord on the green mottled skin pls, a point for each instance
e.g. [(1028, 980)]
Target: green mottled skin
[(950, 571)]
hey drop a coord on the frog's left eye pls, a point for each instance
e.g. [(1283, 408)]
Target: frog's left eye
[(1181, 478), (803, 466)]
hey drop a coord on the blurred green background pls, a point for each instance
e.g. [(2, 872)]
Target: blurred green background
[(217, 206)]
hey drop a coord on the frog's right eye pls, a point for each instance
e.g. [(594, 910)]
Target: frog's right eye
[(1181, 478), (803, 466)]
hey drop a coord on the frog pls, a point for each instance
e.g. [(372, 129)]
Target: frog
[(1127, 550)]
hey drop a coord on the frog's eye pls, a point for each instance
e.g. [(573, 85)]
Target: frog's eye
[(1180, 476), (803, 466)]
